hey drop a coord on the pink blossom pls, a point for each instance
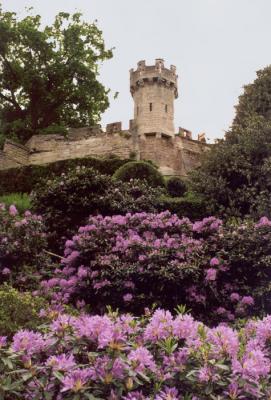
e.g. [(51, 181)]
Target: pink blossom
[(28, 342), (6, 271), (62, 362), (128, 297), (235, 297), (214, 261), (247, 300), (211, 274), (76, 380), (141, 359), (13, 210)]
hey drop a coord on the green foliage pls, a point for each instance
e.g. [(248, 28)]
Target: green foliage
[(140, 170), (191, 206), (67, 200), (176, 186), (20, 200), (49, 74), (24, 179), (256, 99), (18, 310), (233, 178)]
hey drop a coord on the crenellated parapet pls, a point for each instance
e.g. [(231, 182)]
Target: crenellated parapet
[(153, 74)]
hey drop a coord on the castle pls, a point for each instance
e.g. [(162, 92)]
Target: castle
[(151, 134)]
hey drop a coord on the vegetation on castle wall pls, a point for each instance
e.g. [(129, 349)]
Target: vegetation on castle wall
[(49, 74), (24, 179), (140, 170)]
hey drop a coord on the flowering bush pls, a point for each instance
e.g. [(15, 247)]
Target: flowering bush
[(136, 260), (160, 357), (67, 200), (22, 241)]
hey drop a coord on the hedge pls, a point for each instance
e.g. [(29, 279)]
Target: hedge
[(188, 206), (23, 179), (140, 170)]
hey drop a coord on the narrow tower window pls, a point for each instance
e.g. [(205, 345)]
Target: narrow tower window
[(166, 108), (150, 106), (137, 110)]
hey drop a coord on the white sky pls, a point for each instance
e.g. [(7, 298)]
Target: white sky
[(216, 45)]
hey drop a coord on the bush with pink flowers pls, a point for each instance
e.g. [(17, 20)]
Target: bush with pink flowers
[(156, 357), (133, 261), (22, 243)]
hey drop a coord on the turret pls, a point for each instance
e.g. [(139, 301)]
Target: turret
[(154, 89)]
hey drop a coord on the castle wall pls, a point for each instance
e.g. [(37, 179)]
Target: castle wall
[(174, 156), (15, 154), (45, 148)]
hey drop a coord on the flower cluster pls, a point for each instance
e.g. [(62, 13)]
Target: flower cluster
[(132, 261), (117, 356)]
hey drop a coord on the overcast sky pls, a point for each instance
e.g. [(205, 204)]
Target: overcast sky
[(216, 45)]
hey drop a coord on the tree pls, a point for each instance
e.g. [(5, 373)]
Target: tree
[(234, 177), (48, 76), (256, 99)]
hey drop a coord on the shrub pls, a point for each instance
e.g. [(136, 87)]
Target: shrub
[(139, 170), (18, 310), (20, 200), (121, 357), (24, 179), (176, 187), (22, 243), (190, 206), (133, 261), (66, 201)]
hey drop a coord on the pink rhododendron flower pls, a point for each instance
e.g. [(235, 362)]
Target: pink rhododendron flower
[(214, 261), (128, 297), (62, 362), (141, 359), (28, 342), (211, 274), (13, 210), (235, 297), (247, 300), (76, 380)]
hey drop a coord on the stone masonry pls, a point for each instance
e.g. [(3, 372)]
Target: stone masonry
[(151, 134)]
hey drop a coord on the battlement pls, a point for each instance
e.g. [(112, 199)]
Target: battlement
[(153, 74)]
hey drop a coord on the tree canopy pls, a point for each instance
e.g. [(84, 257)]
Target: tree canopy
[(234, 177), (48, 75), (256, 99)]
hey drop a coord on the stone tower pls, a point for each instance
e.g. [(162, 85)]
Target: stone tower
[(154, 89)]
